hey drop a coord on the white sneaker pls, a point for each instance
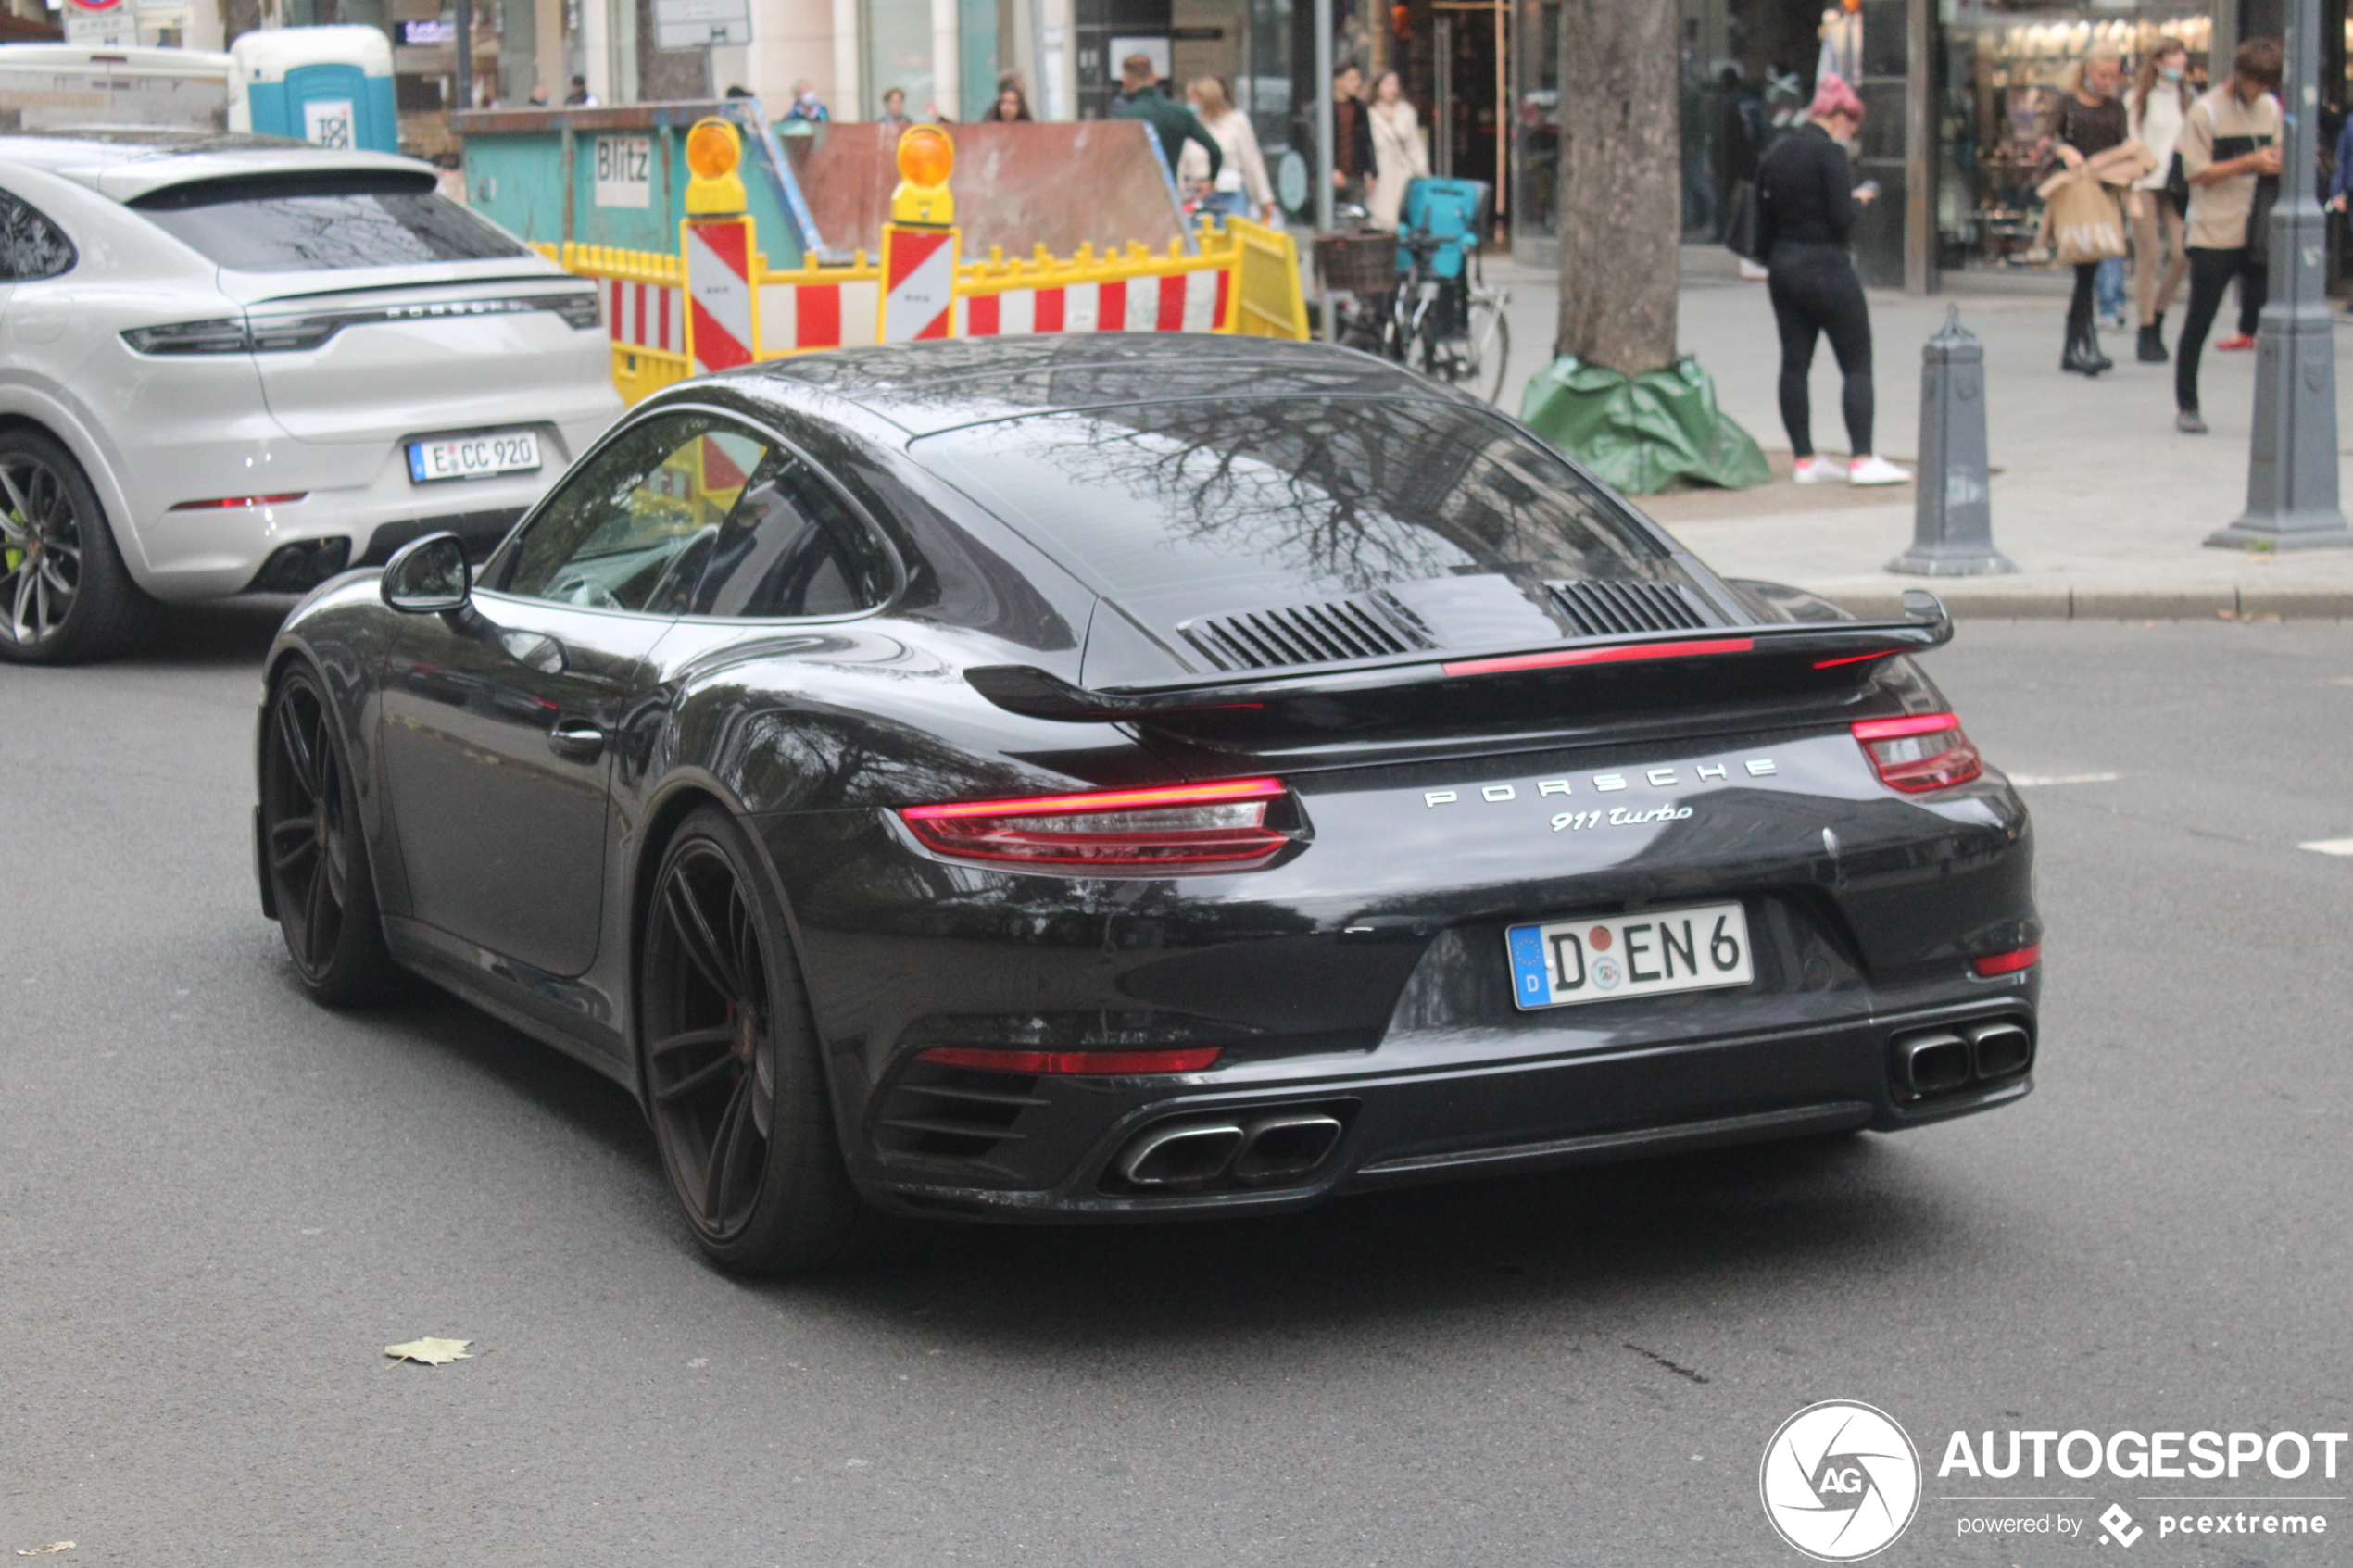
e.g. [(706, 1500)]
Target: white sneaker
[(1876, 470), (1752, 271), (1816, 470)]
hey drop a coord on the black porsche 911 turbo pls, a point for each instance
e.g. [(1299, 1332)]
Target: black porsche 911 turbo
[(1118, 777)]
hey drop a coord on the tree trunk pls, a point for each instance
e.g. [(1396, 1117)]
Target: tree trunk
[(1622, 184)]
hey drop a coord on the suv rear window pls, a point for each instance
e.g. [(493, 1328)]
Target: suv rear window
[(320, 221)]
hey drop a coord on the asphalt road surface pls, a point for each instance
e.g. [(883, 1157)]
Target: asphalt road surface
[(217, 1204)]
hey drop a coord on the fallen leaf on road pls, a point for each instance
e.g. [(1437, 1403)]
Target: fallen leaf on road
[(38, 1550), (430, 1353)]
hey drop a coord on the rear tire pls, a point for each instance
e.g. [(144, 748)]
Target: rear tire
[(734, 1083), (317, 852), (65, 595)]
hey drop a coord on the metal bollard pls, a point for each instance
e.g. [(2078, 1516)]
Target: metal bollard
[(1953, 515)]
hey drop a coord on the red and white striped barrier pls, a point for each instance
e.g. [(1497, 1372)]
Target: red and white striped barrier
[(1181, 301), (645, 315), (918, 283), (722, 307), (799, 316)]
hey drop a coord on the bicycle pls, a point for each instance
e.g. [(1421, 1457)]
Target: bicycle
[(1437, 316)]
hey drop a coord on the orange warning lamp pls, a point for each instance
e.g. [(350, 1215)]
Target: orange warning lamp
[(714, 148), (925, 159)]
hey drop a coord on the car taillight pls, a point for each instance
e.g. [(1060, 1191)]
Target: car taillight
[(226, 336), (1188, 1059), (1925, 751), (1179, 827), (1993, 964)]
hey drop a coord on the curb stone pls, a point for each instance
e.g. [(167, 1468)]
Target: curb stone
[(2112, 604)]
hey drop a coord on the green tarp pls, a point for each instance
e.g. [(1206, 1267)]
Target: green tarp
[(1641, 433)]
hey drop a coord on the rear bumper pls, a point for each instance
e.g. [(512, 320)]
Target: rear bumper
[(1478, 1118), (361, 494)]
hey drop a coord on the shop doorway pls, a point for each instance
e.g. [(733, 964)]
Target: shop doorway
[(1468, 50)]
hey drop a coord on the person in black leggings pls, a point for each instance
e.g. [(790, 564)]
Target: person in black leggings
[(2091, 120), (1805, 211)]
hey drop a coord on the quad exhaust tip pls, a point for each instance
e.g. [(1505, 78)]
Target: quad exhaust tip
[(1940, 1061), (1188, 1156)]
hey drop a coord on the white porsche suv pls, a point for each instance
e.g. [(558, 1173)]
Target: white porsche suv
[(230, 363)]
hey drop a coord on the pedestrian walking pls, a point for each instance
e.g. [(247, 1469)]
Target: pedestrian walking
[(1173, 124), (580, 97), (2155, 111), (2090, 121), (1740, 121), (1807, 204), (2229, 148), (1354, 160), (894, 113), (1010, 107), (1241, 186), (1399, 157)]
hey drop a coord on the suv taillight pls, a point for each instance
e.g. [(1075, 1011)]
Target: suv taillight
[(1922, 752), (1178, 828)]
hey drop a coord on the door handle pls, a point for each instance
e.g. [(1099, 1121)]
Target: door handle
[(576, 742)]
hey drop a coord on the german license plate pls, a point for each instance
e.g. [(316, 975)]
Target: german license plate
[(473, 456), (1649, 954)]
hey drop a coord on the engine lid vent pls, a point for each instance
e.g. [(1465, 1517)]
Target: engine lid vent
[(1309, 634), (1606, 607)]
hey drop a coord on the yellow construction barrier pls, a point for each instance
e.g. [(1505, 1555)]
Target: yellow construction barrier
[(1244, 279)]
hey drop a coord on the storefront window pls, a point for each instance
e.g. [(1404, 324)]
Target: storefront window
[(897, 34), (2005, 65), (1536, 125)]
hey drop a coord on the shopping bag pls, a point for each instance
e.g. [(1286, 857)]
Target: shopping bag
[(1740, 226), (2086, 224)]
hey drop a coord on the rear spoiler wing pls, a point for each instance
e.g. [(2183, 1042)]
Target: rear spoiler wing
[(1035, 694)]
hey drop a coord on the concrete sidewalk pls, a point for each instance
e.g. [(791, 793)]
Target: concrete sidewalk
[(2101, 502)]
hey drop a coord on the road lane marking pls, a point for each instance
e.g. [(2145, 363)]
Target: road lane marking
[(2035, 780), (2330, 846)]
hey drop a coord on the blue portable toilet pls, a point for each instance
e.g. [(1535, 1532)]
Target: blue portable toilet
[(330, 86)]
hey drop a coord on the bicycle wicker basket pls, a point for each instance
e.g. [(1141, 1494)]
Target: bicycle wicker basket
[(1358, 263)]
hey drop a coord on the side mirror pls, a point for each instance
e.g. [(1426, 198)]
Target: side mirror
[(427, 576)]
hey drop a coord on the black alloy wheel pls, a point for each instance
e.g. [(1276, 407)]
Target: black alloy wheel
[(318, 874), (733, 1081), (64, 593)]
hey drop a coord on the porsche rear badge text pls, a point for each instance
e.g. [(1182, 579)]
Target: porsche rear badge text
[(1657, 778)]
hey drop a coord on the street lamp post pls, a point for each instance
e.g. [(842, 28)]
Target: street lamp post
[(2292, 500), (1326, 158)]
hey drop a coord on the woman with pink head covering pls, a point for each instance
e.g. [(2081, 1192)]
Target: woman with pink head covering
[(1807, 208)]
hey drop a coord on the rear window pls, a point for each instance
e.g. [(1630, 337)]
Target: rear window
[(1198, 506), (318, 222)]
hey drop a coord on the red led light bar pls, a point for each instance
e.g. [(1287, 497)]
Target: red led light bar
[(1192, 1059), (1851, 659), (240, 501), (1631, 654), (1992, 964), (1918, 752), (1916, 724), (1219, 826), (1105, 800)]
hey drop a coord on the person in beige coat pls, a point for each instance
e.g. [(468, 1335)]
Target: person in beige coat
[(1241, 186), (1398, 154)]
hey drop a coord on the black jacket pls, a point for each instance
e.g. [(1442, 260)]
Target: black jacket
[(1806, 192)]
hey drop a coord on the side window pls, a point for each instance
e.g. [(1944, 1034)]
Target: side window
[(792, 546), (30, 246), (634, 528)]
